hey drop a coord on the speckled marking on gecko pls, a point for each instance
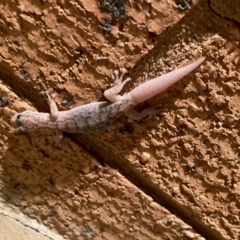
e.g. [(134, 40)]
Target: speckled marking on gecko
[(99, 115)]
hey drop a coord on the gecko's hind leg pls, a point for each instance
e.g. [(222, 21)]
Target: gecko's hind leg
[(153, 111), (112, 93), (53, 107)]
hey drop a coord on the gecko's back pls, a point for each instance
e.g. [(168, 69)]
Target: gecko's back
[(87, 118), (95, 116)]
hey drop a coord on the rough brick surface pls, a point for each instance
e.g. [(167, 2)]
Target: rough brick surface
[(171, 177)]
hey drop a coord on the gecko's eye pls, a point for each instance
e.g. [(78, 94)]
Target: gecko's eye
[(20, 123), (18, 119)]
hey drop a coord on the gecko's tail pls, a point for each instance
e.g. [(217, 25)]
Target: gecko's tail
[(159, 84)]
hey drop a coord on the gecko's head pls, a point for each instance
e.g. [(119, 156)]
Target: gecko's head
[(22, 121)]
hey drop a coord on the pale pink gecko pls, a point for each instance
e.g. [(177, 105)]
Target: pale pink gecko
[(99, 115)]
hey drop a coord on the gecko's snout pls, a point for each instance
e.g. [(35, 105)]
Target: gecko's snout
[(14, 120)]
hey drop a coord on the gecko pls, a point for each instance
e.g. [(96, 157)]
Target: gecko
[(99, 115)]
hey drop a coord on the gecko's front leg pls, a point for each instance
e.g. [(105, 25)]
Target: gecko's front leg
[(54, 112), (53, 107), (56, 139)]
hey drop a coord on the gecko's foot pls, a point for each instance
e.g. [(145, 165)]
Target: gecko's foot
[(57, 138), (153, 112), (118, 82)]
